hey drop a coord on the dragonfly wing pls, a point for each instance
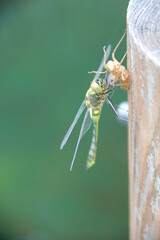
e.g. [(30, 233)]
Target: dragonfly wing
[(80, 111), (85, 127), (116, 112), (108, 50), (108, 78)]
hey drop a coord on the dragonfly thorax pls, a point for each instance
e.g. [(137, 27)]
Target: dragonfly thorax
[(96, 94)]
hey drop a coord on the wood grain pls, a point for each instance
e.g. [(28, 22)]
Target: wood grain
[(143, 43)]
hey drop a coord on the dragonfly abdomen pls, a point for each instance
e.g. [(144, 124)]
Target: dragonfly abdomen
[(93, 147)]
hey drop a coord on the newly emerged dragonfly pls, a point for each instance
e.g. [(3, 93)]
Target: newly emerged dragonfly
[(97, 94)]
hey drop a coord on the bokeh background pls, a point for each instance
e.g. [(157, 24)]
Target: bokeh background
[(46, 49)]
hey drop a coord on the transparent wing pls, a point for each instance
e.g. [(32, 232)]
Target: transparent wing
[(108, 78), (108, 50), (80, 111), (116, 112), (85, 127)]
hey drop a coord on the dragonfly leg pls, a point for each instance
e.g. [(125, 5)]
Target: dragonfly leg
[(123, 58), (113, 53), (97, 72), (111, 90), (112, 106)]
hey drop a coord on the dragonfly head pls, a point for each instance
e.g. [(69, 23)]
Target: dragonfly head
[(99, 85)]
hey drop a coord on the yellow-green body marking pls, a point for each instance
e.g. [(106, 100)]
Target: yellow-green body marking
[(95, 97)]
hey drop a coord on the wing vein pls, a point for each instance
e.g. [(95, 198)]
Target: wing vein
[(85, 127), (68, 133)]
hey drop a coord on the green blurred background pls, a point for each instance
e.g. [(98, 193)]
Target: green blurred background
[(47, 48)]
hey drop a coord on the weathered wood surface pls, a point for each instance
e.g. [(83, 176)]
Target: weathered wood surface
[(143, 43)]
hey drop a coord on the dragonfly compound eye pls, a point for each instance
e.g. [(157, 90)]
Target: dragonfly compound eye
[(99, 81), (97, 85)]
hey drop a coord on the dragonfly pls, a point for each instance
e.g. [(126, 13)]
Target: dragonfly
[(97, 94)]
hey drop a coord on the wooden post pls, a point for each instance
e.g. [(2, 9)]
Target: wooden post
[(143, 43)]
